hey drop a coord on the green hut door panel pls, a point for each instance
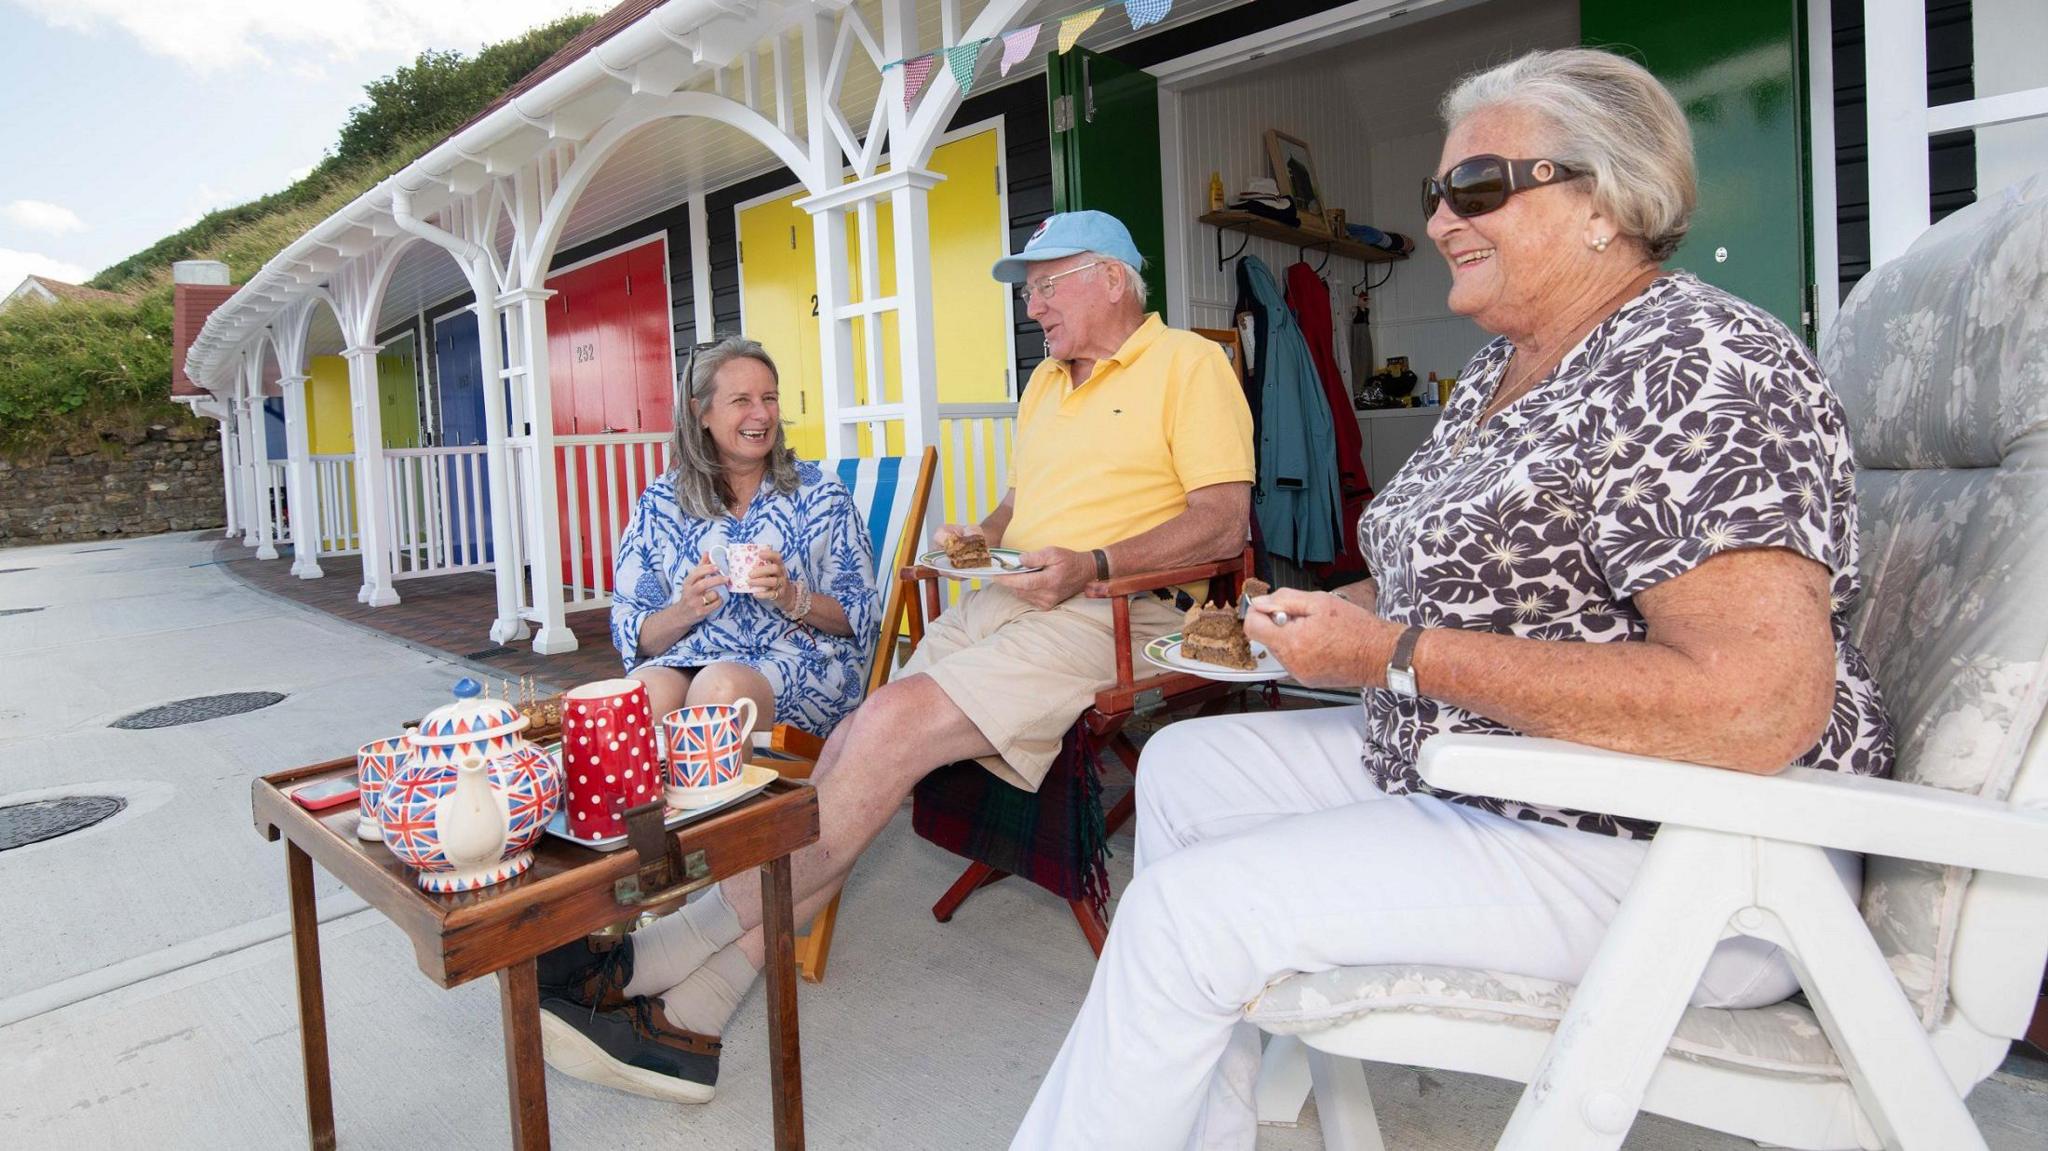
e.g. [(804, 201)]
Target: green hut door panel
[(1105, 150), (398, 395), (1737, 68)]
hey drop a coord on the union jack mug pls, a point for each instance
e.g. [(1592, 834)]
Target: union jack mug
[(707, 748), (611, 757)]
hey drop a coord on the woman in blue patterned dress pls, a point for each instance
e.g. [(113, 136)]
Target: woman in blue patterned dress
[(798, 645)]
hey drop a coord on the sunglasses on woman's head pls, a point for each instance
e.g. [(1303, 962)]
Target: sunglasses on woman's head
[(1477, 185)]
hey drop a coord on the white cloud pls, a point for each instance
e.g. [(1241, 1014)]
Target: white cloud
[(14, 266), (210, 35), (41, 216)]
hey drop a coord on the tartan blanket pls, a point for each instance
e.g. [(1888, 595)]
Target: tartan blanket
[(1053, 837)]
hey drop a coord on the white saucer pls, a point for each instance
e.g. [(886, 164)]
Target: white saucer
[(753, 777), (935, 559), (1165, 652)]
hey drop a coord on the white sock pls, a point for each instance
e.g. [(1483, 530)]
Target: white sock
[(706, 1000), (665, 953)]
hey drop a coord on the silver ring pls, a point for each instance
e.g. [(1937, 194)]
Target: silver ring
[(1280, 619)]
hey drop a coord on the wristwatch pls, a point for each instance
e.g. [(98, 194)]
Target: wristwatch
[(1401, 668)]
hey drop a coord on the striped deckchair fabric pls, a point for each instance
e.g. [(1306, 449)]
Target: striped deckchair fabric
[(886, 490)]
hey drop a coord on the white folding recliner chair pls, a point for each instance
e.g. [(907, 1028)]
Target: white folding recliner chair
[(1941, 360)]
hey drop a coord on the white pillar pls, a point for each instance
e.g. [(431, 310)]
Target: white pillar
[(914, 335), (1895, 70), (505, 494), (301, 493), (373, 487), (526, 308), (230, 475), (256, 454), (706, 317)]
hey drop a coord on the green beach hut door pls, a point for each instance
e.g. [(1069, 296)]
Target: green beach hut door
[(1105, 150), (1737, 68)]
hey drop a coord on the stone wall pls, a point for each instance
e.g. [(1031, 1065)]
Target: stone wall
[(164, 479)]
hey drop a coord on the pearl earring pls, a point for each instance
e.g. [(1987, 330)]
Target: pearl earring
[(1600, 245)]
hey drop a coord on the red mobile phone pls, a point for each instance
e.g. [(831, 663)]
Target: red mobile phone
[(327, 793)]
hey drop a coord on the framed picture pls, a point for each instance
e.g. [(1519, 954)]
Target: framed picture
[(1295, 171)]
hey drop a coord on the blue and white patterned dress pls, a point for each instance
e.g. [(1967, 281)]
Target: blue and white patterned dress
[(818, 678)]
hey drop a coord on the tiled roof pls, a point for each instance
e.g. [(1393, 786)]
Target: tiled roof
[(64, 291)]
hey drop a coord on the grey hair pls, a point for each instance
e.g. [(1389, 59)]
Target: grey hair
[(701, 490), (1134, 276), (1608, 117)]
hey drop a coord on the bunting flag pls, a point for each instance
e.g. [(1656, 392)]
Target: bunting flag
[(1017, 45), (1144, 12), (961, 60), (916, 71), (1072, 27)]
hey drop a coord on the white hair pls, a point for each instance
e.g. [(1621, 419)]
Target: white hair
[(1609, 118), (1134, 275)]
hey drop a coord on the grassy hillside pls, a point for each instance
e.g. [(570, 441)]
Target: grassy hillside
[(70, 373)]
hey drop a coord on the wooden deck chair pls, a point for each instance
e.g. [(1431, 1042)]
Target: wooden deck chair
[(1060, 804), (892, 501)]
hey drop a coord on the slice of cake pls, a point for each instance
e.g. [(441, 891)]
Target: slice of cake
[(968, 552), (1212, 634)]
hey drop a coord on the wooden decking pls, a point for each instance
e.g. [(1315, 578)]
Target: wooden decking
[(450, 615)]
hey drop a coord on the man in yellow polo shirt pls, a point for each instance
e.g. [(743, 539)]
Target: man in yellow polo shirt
[(1134, 453)]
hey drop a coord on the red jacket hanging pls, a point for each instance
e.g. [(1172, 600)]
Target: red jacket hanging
[(1309, 299)]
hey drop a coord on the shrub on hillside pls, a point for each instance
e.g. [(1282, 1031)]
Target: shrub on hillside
[(414, 106), (70, 371)]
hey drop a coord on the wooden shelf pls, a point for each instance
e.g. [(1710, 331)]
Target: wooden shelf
[(1252, 224)]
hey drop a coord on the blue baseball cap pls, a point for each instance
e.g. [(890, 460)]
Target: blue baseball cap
[(1070, 234)]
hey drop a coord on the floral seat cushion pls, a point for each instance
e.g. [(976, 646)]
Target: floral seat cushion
[(1783, 1039)]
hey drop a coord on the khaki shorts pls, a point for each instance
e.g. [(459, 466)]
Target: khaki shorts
[(1022, 675)]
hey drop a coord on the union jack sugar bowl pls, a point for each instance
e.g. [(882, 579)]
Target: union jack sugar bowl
[(466, 807)]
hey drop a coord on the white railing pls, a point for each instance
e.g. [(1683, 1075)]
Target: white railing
[(976, 442), (597, 480), (334, 482), (280, 520), (440, 511)]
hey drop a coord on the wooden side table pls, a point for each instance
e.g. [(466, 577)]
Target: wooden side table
[(568, 893)]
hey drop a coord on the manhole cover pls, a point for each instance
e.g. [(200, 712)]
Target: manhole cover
[(196, 709), (489, 653), (24, 823), (18, 610)]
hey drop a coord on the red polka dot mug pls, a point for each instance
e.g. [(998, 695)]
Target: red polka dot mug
[(611, 758)]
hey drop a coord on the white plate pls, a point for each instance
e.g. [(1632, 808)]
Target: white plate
[(936, 560), (1165, 652), (753, 777)]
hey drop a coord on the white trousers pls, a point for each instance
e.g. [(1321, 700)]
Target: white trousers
[(1264, 849)]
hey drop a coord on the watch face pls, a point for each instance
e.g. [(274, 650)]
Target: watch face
[(1401, 681)]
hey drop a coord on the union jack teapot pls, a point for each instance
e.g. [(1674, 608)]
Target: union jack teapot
[(466, 807)]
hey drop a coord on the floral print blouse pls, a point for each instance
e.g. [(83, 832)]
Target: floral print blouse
[(818, 678), (1687, 424)]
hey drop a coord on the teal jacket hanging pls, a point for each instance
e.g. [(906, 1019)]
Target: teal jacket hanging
[(1297, 501)]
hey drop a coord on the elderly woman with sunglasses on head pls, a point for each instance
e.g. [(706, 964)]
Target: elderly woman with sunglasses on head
[(1634, 527), (797, 642)]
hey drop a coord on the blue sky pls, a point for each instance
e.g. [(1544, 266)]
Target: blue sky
[(125, 120)]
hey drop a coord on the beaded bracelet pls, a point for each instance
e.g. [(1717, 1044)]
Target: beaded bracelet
[(803, 601)]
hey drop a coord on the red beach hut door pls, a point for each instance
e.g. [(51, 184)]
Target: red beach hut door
[(611, 370)]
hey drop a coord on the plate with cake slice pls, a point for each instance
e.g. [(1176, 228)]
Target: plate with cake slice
[(1212, 644), (970, 557)]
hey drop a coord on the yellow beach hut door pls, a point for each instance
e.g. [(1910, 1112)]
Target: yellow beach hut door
[(970, 311)]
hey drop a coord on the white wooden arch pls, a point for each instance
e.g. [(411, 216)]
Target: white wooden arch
[(609, 139)]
